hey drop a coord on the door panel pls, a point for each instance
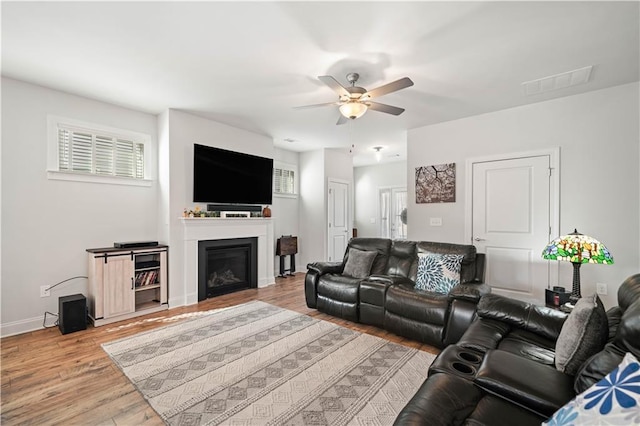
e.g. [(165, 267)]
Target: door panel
[(118, 286), (511, 224), (338, 219)]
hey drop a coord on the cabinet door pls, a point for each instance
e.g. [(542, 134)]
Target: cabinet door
[(119, 297)]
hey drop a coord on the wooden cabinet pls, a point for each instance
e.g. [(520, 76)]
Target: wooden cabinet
[(124, 283)]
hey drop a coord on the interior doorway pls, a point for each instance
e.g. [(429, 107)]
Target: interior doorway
[(393, 212), (338, 231)]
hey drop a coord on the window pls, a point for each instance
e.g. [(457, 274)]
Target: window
[(97, 154), (284, 180)]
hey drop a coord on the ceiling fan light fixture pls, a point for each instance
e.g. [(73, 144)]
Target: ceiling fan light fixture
[(377, 149), (353, 109)]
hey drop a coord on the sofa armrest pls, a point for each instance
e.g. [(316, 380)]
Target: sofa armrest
[(469, 292), (540, 388), (541, 320), (326, 267)]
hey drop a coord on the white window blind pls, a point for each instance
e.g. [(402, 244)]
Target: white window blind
[(98, 153), (284, 181)]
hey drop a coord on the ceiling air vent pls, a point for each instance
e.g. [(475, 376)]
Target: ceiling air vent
[(557, 81)]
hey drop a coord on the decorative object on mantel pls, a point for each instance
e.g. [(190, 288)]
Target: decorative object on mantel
[(577, 249), (287, 245), (199, 213), (266, 212), (436, 184)]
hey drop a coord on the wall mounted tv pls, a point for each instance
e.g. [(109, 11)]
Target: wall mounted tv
[(222, 176)]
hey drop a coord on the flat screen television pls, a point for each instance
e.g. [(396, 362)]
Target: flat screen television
[(228, 177)]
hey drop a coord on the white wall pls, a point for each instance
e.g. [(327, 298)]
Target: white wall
[(48, 224), (285, 211), (598, 136), (368, 181), (184, 130), (312, 207)]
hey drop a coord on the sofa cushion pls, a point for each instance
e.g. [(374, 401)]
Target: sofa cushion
[(418, 305), (583, 334), (438, 272), (613, 400), (359, 263), (339, 288)]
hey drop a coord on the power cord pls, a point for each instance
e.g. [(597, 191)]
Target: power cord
[(44, 321), (68, 279)]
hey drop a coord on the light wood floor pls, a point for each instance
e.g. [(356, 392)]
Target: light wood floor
[(48, 378)]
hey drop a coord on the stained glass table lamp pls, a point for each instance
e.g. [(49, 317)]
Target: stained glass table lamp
[(577, 249)]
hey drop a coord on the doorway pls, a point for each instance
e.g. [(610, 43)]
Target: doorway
[(514, 213), (338, 214), (393, 212)]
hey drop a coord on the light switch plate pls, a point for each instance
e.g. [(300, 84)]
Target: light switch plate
[(435, 221)]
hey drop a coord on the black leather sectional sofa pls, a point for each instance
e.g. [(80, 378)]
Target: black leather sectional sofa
[(502, 372), (386, 296)]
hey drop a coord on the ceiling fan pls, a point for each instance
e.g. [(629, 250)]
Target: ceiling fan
[(354, 101)]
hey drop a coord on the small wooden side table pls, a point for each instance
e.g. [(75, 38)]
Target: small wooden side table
[(287, 245)]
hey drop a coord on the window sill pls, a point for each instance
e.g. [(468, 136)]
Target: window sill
[(285, 195), (110, 180)]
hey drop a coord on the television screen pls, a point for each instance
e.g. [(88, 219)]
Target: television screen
[(222, 176)]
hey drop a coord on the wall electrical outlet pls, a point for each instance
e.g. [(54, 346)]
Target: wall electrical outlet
[(601, 288), (45, 291)]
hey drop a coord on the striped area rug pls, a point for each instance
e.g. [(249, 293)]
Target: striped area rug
[(258, 364)]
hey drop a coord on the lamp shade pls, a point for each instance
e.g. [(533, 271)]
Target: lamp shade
[(353, 109), (577, 248)]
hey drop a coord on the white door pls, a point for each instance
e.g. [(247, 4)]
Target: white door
[(511, 224), (338, 219), (392, 203)]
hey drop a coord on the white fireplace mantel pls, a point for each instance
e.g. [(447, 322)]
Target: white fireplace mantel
[(201, 229)]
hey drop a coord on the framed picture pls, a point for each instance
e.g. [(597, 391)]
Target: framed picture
[(436, 184)]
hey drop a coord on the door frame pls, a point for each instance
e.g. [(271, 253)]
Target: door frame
[(349, 212), (554, 196)]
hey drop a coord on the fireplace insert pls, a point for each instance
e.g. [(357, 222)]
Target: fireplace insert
[(225, 266)]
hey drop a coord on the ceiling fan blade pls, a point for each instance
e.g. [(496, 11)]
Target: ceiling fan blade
[(316, 105), (342, 120), (388, 88), (333, 83), (385, 108)]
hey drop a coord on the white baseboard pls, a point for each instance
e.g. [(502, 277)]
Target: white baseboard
[(22, 326)]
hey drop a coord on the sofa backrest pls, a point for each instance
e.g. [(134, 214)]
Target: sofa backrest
[(468, 272), (381, 245), (400, 257), (626, 329)]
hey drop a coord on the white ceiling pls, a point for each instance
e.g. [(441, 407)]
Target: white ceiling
[(248, 64)]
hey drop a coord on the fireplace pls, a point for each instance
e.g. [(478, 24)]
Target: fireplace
[(225, 266)]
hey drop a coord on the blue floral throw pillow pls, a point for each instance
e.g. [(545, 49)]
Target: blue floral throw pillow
[(438, 272), (614, 400)]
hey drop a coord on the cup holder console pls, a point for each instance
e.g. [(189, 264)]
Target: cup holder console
[(463, 368), (459, 361), (470, 357)]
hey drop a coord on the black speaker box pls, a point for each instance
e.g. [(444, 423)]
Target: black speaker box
[(233, 208), (550, 295), (72, 313)]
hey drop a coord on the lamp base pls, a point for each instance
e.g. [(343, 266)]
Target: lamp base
[(575, 291)]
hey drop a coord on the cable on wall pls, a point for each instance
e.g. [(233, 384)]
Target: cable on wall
[(55, 324)]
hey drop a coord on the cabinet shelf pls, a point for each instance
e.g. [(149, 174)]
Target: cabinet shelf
[(151, 268), (147, 287)]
